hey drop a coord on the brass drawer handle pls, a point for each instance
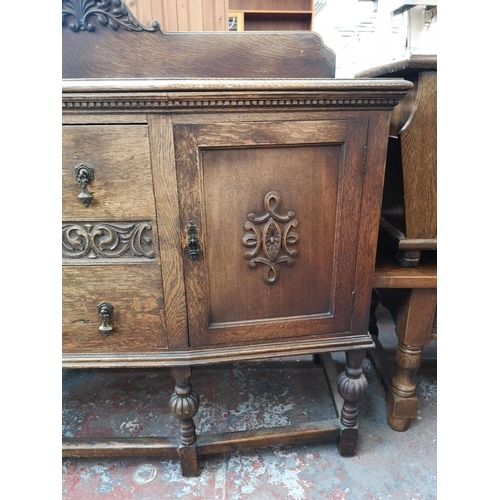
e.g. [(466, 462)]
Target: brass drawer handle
[(84, 174), (193, 246), (105, 311)]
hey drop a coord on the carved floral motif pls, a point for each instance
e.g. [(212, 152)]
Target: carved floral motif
[(271, 239), (112, 13), (107, 240)]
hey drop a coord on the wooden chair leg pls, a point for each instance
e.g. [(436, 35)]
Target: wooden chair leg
[(351, 386), (184, 404), (402, 400), (415, 319)]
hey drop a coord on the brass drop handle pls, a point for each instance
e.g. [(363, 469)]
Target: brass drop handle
[(84, 174), (193, 248), (105, 311)]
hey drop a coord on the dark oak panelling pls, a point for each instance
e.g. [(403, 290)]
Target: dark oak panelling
[(166, 196), (212, 55), (227, 301)]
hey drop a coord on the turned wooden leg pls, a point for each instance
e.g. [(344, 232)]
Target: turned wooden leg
[(351, 386), (402, 400), (408, 258), (415, 319), (184, 404)]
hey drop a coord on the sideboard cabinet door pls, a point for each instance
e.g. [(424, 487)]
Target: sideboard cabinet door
[(270, 214)]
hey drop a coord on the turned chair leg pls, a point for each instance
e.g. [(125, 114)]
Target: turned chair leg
[(351, 386), (414, 322), (184, 404), (402, 400)]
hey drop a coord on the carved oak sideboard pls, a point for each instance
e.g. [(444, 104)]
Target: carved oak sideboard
[(210, 220)]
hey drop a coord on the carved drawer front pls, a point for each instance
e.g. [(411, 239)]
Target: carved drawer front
[(270, 212), (106, 172), (113, 308)]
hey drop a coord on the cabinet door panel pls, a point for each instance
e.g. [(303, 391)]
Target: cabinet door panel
[(299, 284), (276, 206)]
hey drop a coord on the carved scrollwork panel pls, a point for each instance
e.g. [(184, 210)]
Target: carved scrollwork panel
[(270, 238), (112, 13), (101, 240)]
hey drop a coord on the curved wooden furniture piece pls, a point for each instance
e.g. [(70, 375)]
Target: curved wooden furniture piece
[(409, 204)]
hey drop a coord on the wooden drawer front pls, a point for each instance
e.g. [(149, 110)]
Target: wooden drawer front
[(134, 291), (122, 184)]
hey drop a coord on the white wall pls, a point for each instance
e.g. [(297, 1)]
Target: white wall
[(364, 34)]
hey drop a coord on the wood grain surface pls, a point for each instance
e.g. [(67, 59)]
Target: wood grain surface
[(136, 294), (224, 173), (409, 206), (389, 275), (120, 157), (211, 55), (419, 152), (166, 197)]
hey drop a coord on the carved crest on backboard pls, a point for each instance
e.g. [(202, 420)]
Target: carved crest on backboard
[(82, 15)]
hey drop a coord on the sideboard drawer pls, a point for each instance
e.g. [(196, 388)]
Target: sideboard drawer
[(134, 291), (119, 158)]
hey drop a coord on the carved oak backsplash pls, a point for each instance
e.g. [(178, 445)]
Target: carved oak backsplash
[(271, 240), (107, 240)]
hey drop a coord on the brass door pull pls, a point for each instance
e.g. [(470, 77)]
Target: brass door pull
[(84, 174), (105, 311)]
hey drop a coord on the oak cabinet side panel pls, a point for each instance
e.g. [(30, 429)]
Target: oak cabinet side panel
[(170, 237), (370, 216)]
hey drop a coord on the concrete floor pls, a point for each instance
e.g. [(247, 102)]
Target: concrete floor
[(388, 465)]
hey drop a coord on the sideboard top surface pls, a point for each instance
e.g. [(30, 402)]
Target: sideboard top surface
[(228, 85), (402, 68)]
